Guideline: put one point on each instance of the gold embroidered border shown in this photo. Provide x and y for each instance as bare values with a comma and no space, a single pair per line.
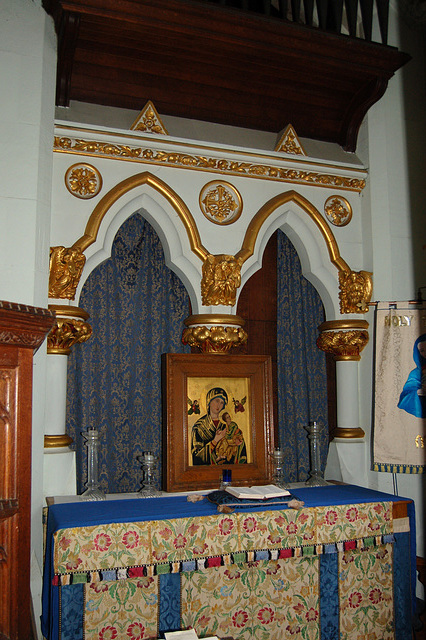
95,148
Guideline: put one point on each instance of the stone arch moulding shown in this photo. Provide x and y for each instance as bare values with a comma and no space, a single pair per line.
159,204
309,240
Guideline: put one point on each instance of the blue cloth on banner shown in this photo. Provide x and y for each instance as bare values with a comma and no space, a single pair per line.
169,602
67,515
329,596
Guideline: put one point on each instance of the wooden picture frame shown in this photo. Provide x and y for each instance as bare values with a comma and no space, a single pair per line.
190,383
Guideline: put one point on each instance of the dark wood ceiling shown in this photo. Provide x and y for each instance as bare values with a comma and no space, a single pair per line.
213,63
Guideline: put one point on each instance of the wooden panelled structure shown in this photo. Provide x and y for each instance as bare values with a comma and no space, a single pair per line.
247,63
257,304
22,331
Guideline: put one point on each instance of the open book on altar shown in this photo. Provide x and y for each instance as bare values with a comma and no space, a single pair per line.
258,492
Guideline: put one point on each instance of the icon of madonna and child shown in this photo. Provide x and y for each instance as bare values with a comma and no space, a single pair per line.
216,436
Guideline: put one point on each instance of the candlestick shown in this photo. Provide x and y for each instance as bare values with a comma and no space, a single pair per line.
148,461
278,472
315,475
92,442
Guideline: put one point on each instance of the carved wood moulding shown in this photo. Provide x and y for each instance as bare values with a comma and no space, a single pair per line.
209,62
24,326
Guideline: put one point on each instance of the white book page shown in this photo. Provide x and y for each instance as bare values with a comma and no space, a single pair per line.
186,634
258,493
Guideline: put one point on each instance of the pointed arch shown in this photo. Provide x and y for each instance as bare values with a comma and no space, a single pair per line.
269,207
101,209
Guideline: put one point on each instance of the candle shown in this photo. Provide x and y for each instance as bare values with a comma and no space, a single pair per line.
278,455
226,475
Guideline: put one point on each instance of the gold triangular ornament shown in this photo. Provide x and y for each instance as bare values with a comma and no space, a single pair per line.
290,143
149,121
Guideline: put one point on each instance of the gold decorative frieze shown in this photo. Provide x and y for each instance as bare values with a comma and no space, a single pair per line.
149,121
356,288
71,327
220,202
205,163
83,181
290,143
343,339
66,265
219,334
338,211
221,277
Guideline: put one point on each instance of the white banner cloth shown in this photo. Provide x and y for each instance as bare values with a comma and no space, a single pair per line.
399,401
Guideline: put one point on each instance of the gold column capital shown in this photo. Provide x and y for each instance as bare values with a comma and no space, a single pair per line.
344,339
71,327
212,333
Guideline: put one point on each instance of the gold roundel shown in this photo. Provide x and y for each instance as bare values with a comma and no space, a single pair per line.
220,202
83,180
338,211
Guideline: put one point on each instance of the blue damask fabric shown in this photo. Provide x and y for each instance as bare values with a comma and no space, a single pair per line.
302,377
72,608
169,602
137,307
403,586
329,594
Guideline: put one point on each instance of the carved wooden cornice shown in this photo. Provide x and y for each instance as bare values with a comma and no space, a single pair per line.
24,326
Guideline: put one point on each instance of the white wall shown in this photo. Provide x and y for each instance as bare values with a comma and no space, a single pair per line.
391,145
27,81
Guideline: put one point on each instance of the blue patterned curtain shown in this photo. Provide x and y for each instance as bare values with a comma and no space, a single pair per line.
301,367
137,307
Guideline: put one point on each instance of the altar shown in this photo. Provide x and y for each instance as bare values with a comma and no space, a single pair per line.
342,567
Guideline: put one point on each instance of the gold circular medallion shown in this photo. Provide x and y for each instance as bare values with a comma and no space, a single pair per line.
221,202
83,180
338,211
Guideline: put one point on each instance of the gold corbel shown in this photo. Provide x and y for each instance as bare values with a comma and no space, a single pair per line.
66,265
221,277
356,288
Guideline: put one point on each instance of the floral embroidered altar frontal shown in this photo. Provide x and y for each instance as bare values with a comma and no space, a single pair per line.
325,572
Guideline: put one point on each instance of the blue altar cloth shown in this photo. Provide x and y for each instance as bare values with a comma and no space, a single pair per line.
79,514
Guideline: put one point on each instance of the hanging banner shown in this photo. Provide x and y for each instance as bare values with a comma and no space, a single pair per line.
399,403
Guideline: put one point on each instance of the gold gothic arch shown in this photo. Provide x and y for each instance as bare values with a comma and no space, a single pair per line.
269,207
99,212
247,249
66,264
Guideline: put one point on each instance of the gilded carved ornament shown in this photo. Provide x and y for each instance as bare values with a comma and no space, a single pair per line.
220,202
338,211
83,180
356,288
66,265
214,333
221,277
67,144
290,143
67,333
149,121
215,339
343,345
